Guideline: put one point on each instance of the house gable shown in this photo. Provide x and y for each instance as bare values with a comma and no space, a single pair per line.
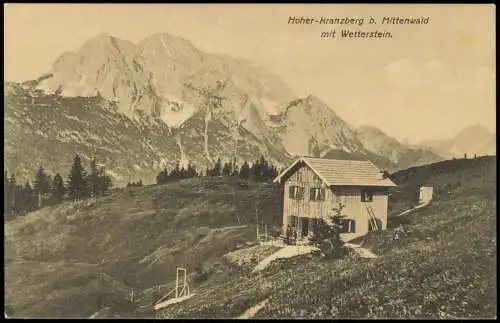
294,170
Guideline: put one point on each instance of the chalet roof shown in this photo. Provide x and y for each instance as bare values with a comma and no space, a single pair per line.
336,172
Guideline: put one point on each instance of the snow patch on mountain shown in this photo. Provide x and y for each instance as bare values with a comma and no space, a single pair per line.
269,106
174,111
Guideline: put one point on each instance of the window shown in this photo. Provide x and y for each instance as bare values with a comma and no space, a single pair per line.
296,192
347,226
317,194
366,196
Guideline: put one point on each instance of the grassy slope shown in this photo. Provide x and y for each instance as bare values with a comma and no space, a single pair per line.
55,258
443,268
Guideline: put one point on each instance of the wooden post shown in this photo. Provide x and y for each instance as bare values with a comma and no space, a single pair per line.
257,221
185,283
177,283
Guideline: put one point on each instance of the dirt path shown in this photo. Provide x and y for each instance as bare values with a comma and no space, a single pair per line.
413,209
253,310
172,301
364,253
286,252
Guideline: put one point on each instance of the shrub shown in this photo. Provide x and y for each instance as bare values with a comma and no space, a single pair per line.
327,235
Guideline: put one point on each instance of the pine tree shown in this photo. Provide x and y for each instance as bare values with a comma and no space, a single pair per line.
29,198
76,182
227,169
182,173
175,173
105,183
245,171
13,191
327,234
57,190
162,177
191,171
7,206
217,171
93,179
236,171
41,185
255,171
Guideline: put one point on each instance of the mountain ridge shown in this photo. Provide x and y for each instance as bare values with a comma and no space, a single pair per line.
475,139
162,101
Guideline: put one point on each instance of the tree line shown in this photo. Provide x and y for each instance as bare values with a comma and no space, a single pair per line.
259,171
47,190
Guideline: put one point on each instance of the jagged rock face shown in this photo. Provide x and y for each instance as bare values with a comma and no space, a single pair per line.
378,142
105,66
130,105
151,76
48,130
309,120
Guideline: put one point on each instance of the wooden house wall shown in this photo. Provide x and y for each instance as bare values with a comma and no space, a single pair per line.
354,209
357,210
305,177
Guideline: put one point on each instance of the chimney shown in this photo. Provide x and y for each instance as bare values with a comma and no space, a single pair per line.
383,174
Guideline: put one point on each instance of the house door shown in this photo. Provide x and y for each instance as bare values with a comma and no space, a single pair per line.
305,227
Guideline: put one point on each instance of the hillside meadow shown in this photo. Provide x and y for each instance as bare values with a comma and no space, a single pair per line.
67,262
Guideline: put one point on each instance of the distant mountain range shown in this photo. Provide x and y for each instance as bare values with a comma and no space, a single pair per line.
141,107
475,139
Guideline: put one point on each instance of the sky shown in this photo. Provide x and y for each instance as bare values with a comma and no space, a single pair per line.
427,82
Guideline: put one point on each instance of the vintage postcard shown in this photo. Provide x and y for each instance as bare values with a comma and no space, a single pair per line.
252,161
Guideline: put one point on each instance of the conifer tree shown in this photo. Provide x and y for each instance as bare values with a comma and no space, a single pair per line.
93,179
182,173
76,182
105,183
41,184
29,198
245,171
7,206
217,171
13,191
58,190
236,170
226,169
192,171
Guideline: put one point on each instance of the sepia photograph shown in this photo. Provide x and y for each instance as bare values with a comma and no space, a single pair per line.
250,161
